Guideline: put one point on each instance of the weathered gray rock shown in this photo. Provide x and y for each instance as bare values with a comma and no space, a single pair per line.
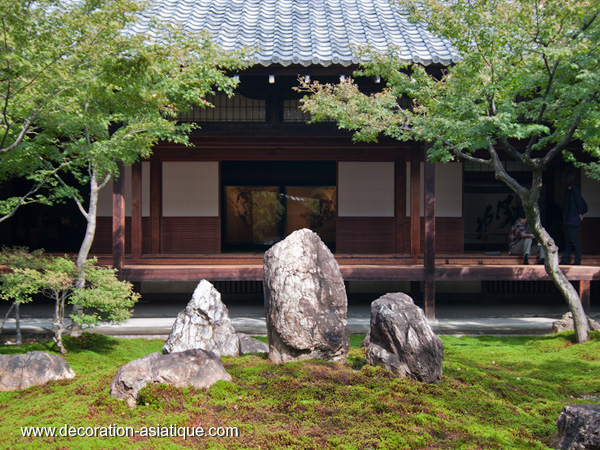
198,368
305,301
365,342
578,427
205,324
402,341
566,323
32,369
251,346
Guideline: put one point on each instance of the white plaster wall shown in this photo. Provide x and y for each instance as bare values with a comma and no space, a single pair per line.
448,190
190,189
590,191
366,189
105,195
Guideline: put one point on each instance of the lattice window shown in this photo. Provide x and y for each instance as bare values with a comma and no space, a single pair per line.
235,109
293,113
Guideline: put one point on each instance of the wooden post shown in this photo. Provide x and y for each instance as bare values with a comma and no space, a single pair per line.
584,295
400,195
118,224
136,210
415,207
155,203
429,293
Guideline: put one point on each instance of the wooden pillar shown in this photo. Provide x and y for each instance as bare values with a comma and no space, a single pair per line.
415,207
155,203
400,197
118,223
136,210
429,293
584,295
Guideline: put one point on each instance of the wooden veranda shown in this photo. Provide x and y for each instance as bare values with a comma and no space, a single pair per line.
468,267
419,265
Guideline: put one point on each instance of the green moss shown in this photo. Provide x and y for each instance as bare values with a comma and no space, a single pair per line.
495,393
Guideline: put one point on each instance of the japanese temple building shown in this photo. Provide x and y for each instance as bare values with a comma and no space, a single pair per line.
257,171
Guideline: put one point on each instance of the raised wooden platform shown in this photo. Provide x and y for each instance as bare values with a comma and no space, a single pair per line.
355,272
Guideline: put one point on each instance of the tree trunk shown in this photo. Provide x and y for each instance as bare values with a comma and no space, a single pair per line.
580,322
6,316
86,246
59,312
529,198
18,323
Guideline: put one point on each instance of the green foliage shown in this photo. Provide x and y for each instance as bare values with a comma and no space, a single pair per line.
525,85
528,70
81,92
103,297
19,285
496,393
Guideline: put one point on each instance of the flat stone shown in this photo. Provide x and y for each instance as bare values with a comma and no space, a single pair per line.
32,369
198,368
566,323
251,346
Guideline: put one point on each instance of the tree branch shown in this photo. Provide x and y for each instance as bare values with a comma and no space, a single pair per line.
587,24
501,173
22,200
511,150
569,136
74,197
461,154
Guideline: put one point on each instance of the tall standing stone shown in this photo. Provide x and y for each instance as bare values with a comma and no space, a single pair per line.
402,341
305,301
204,324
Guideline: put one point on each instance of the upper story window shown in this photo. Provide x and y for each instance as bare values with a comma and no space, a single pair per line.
293,113
235,109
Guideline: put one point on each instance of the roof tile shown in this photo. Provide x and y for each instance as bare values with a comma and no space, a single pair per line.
305,32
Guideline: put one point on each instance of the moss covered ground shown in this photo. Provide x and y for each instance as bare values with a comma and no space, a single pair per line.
496,393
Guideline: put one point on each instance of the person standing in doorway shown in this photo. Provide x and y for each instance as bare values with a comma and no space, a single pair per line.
573,211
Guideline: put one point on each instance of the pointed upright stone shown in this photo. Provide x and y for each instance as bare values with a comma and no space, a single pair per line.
204,324
402,341
305,301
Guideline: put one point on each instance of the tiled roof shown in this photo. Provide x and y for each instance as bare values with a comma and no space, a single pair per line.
305,32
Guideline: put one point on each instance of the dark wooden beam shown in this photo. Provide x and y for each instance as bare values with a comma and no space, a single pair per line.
584,295
261,149
136,210
415,207
429,259
254,272
118,224
155,203
400,196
